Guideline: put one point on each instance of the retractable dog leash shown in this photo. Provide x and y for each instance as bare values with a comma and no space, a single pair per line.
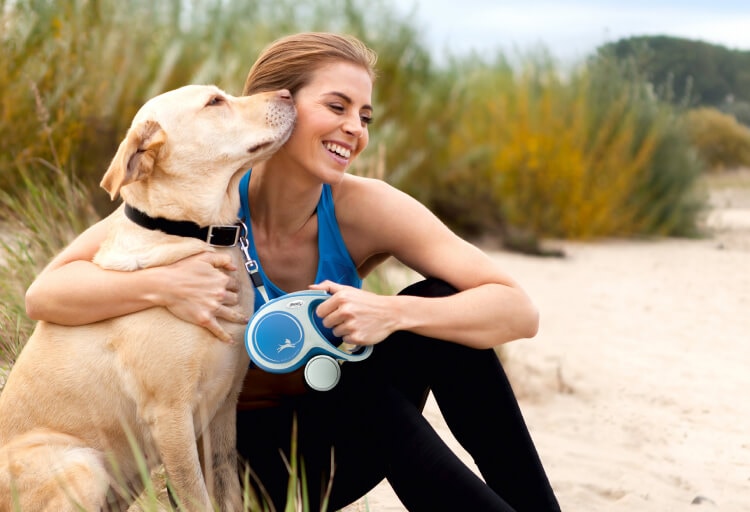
286,333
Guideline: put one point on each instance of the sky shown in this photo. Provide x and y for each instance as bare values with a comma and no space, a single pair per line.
571,30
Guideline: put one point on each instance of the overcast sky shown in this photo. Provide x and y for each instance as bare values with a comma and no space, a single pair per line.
572,29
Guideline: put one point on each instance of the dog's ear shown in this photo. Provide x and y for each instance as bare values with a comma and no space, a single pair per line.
135,158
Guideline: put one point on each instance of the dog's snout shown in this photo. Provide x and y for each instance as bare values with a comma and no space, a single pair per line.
281,112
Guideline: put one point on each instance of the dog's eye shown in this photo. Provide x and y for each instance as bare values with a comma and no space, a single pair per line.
214,101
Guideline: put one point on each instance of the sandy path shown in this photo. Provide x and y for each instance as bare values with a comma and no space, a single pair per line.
635,389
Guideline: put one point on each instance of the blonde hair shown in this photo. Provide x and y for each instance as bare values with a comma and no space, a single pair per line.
289,62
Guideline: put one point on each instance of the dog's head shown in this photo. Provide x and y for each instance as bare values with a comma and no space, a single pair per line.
186,149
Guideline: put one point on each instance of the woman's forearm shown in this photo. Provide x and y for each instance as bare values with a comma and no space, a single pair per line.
481,317
200,289
80,293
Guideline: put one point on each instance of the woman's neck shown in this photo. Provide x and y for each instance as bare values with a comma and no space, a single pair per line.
281,200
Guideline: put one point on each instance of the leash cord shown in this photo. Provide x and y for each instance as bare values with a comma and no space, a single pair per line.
251,266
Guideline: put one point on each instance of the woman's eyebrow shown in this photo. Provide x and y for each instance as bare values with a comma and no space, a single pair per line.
347,99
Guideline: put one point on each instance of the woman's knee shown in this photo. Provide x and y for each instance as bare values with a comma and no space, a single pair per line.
429,287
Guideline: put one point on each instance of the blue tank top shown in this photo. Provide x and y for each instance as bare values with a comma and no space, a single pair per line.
334,261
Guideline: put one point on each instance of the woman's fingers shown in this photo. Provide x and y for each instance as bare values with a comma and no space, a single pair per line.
221,261
231,315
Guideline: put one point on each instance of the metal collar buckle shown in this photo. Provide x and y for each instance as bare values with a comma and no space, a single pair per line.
223,236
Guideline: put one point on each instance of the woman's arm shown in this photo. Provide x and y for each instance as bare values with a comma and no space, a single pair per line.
490,308
72,290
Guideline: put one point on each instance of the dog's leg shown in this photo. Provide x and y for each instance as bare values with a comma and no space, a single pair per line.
221,461
173,432
45,471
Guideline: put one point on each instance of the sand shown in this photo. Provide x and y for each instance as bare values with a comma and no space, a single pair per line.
636,387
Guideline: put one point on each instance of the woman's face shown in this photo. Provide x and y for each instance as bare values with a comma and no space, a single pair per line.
333,112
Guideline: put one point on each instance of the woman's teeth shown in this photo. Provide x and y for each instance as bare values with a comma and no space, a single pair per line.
335,148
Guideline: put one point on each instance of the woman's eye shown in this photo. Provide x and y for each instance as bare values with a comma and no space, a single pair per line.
365,119
216,100
336,107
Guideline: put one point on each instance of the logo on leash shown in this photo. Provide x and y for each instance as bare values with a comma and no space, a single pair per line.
279,337
287,344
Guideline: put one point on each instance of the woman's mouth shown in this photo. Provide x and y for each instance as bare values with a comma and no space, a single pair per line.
338,150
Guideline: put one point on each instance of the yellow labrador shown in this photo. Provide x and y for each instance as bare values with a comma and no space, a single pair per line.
80,401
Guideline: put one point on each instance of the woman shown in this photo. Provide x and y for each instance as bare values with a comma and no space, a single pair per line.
315,226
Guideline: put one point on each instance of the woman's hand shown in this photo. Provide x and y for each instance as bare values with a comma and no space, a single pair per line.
357,316
201,289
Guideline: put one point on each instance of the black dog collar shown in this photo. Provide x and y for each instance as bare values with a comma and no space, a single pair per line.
216,235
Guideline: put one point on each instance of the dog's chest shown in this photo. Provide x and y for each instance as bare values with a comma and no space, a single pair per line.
220,364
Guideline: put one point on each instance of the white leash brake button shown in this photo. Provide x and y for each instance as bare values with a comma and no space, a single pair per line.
322,373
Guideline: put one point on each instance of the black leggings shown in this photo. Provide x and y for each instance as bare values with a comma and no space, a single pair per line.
372,420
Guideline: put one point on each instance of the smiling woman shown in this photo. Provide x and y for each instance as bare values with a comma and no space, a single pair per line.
311,222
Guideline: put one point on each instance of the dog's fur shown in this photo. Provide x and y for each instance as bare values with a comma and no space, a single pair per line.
81,400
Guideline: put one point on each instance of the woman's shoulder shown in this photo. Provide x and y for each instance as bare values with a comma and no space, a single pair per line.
376,209
365,210
359,192
352,183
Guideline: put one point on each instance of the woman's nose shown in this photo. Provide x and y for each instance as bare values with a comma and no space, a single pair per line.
353,126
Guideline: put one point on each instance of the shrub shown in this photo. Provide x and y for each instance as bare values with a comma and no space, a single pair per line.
721,141
524,149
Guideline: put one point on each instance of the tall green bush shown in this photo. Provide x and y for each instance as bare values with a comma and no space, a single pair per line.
525,148
77,70
664,199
